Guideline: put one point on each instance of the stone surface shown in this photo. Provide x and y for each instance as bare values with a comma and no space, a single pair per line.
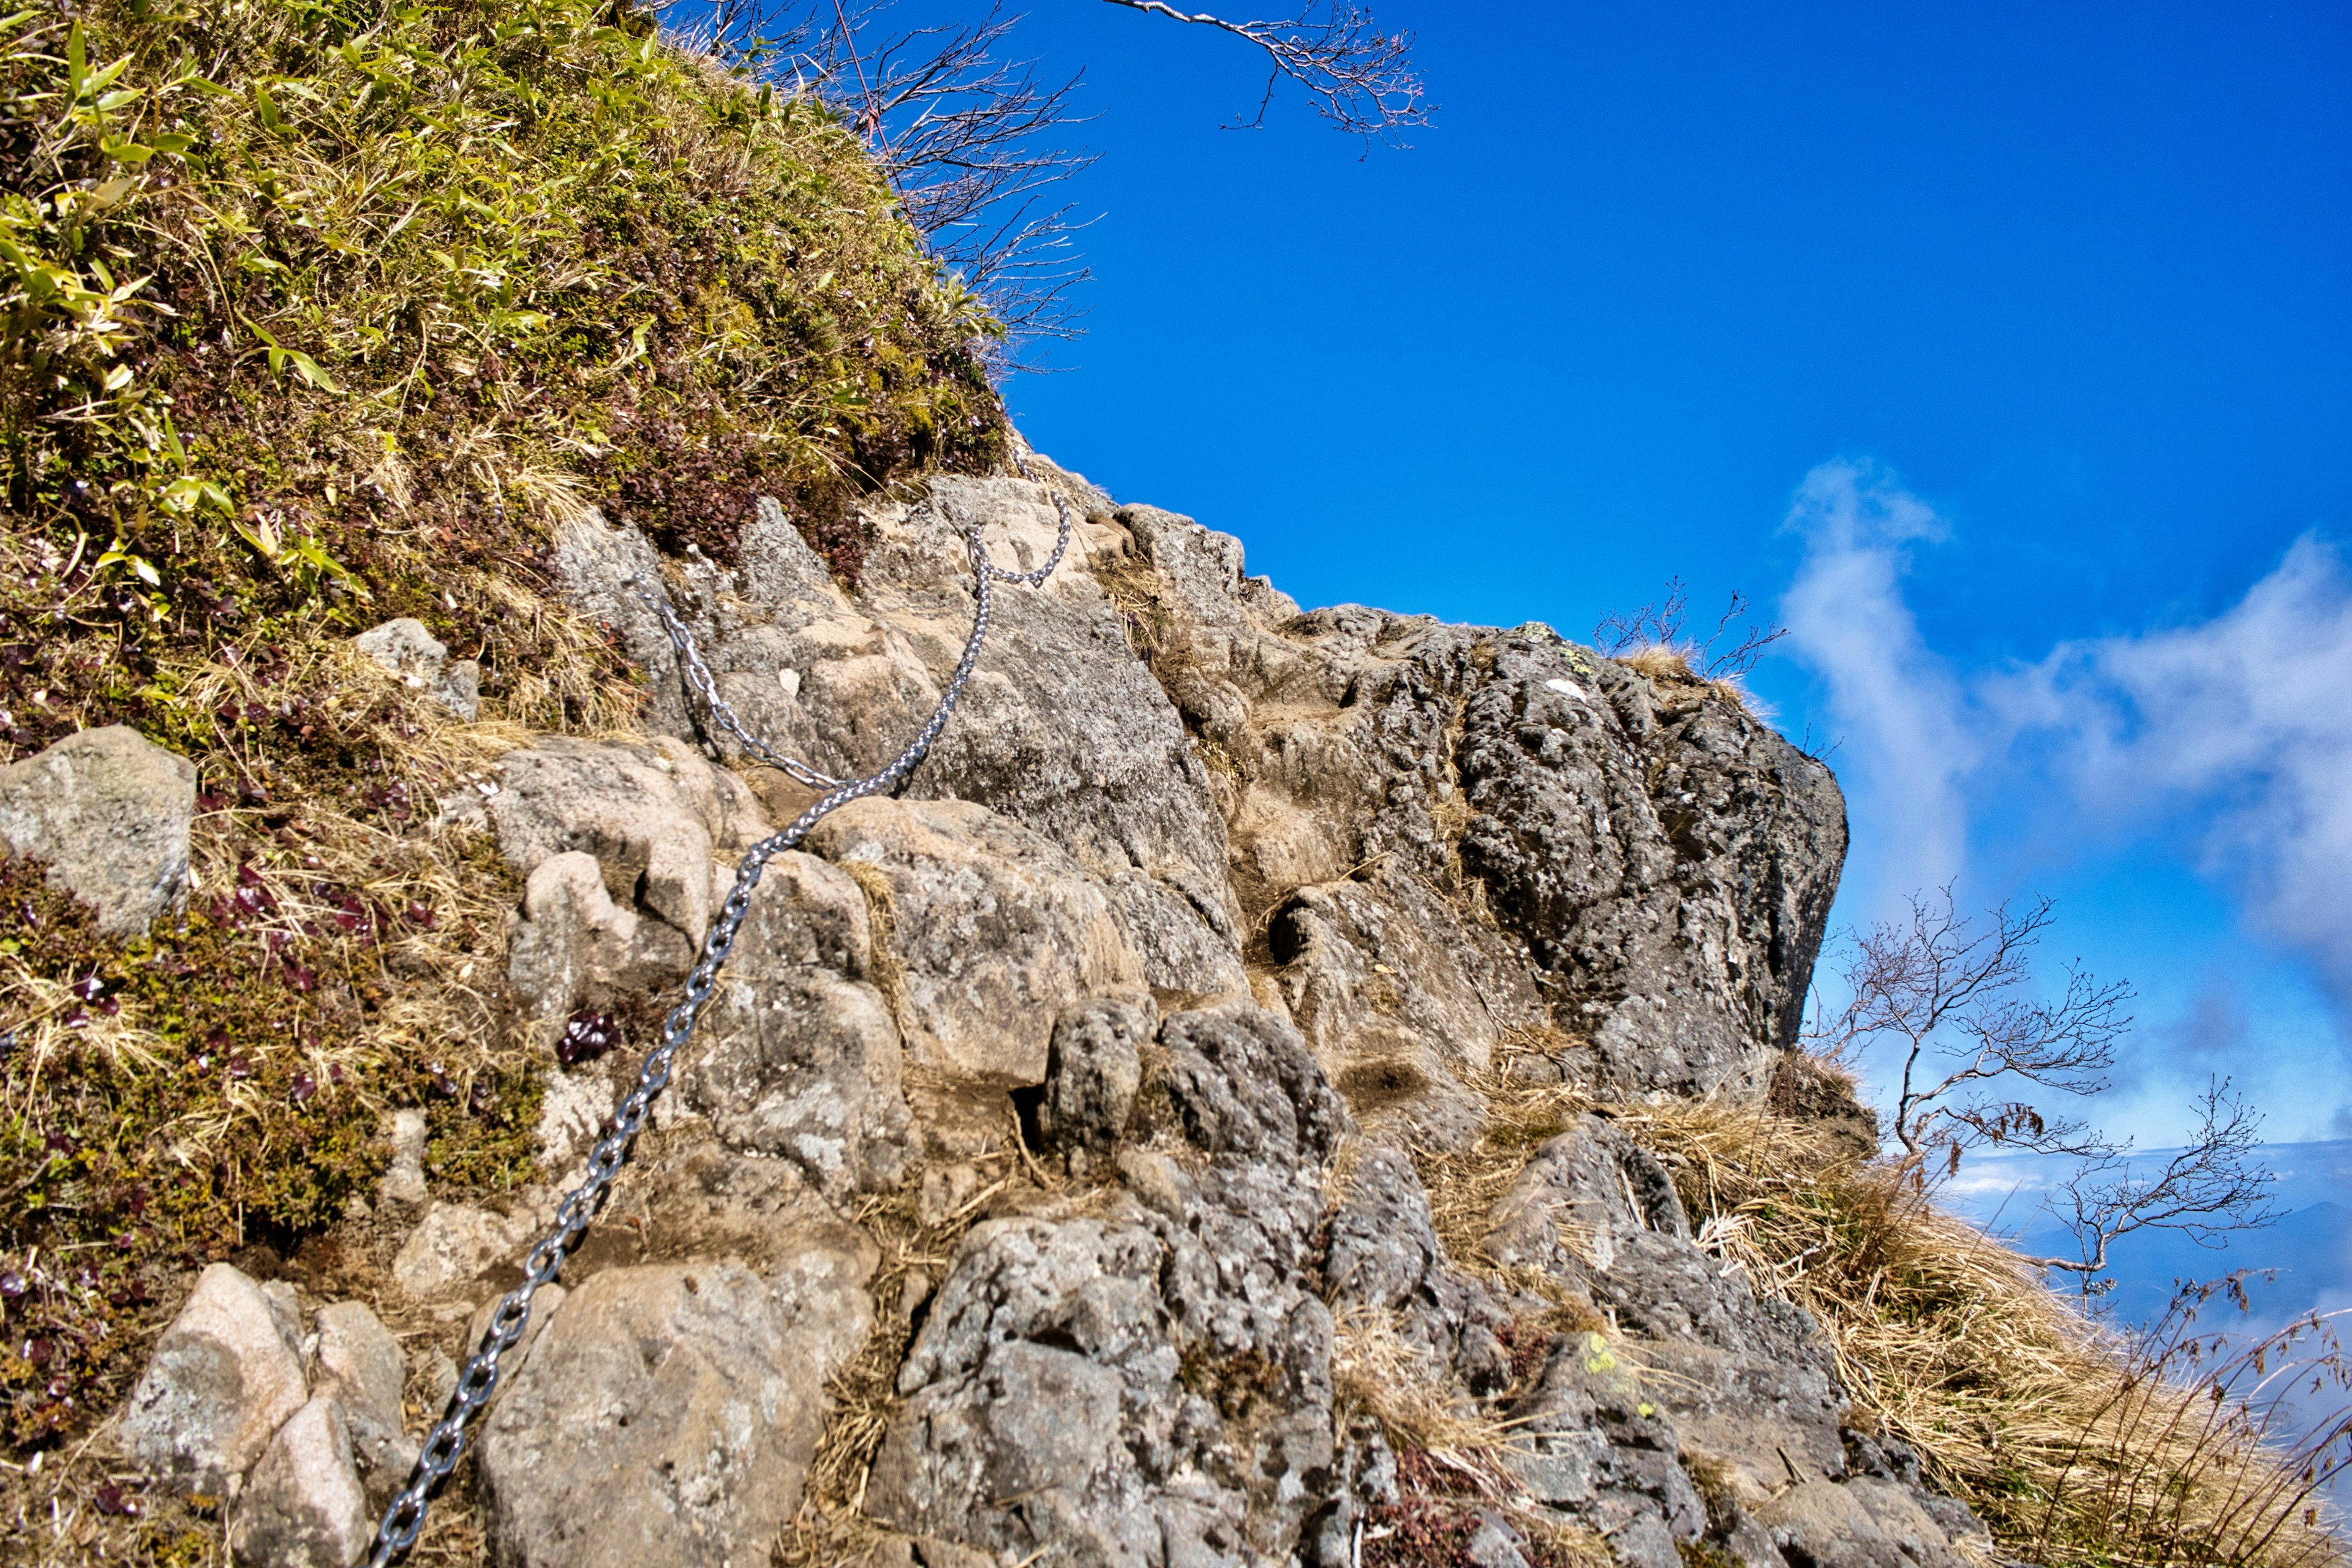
404,1174
304,1508
1385,1257
668,1413
221,1380
1400,995
990,929
451,1246
1150,1383
575,946
1094,1065
359,1365
408,651
1061,728
799,1053
109,812
650,816
1671,859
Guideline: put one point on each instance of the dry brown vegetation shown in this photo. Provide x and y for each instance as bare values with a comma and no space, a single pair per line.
2077,1443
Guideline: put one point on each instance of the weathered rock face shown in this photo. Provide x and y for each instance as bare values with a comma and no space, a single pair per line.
109,811
1206,921
303,1508
667,1413
1152,1384
221,1381
992,927
1670,859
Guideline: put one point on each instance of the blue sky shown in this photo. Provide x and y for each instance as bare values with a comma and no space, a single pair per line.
2003,352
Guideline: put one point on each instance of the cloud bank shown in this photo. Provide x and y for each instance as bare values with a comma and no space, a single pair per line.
1899,713
2236,730
2242,723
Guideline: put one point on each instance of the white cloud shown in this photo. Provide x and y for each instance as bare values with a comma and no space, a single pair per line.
2243,724
1895,706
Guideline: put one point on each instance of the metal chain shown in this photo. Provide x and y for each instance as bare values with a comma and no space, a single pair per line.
445,1444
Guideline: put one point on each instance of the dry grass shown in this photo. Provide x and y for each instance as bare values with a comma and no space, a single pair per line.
2078,1444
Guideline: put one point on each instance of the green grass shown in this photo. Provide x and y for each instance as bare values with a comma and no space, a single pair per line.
312,315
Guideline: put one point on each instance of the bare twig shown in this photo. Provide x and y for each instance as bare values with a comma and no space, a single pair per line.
1659,625
2203,1191
1360,79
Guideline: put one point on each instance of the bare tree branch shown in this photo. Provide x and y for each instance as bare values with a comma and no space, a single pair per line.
1957,1001
2203,1191
1659,625
1361,79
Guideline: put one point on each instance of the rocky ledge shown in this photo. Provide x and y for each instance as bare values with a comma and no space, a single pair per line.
1054,1160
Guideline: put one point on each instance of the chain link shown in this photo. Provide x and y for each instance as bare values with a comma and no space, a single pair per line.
445,1444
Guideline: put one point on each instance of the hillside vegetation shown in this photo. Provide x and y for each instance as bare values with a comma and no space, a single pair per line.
315,315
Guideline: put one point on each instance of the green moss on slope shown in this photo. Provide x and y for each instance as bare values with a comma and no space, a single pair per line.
313,314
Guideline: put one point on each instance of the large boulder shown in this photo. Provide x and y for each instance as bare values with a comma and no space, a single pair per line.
668,1412
222,1380
304,1507
1669,858
990,929
109,811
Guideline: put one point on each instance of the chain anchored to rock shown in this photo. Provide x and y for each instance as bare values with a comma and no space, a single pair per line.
447,1442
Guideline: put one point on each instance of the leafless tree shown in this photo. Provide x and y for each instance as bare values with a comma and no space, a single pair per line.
1361,79
2212,1186
1660,623
1955,998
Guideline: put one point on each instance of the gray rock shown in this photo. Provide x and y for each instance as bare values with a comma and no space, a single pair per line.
109,812
1093,1066
1495,1545
360,1366
1829,1526
304,1508
991,930
1061,727
1385,1257
575,945
451,1246
668,1414
1242,1082
1399,994
418,659
404,1174
1669,858
799,1054
1598,1448
222,1379
1150,1382
650,816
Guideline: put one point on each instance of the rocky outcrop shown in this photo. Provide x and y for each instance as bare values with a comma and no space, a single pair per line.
1073,1104
668,1412
1151,1382
109,811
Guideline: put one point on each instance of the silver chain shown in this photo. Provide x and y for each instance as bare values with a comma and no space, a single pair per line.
447,1442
